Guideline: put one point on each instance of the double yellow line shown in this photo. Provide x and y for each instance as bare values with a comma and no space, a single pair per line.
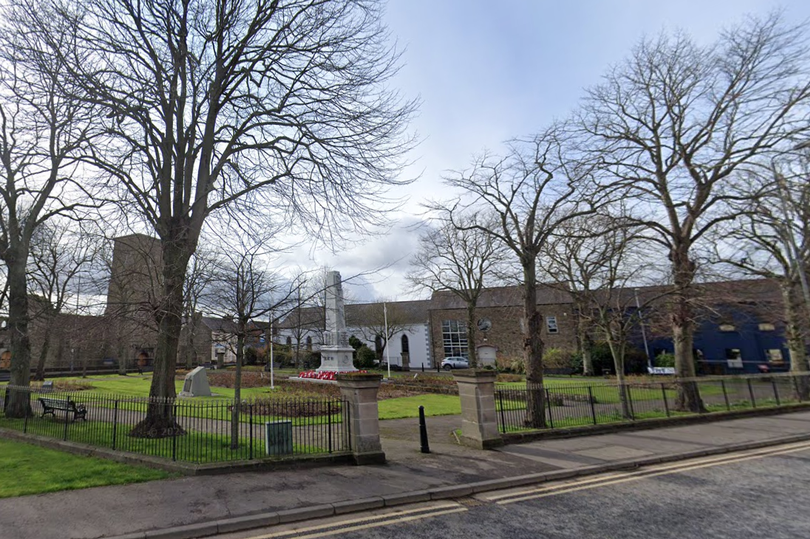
436,509
357,524
654,471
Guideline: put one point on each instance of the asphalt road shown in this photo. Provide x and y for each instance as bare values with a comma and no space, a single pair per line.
763,494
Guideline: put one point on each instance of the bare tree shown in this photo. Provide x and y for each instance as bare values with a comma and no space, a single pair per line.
378,322
531,192
617,307
575,258
249,105
675,122
771,239
58,259
41,132
462,261
243,292
199,278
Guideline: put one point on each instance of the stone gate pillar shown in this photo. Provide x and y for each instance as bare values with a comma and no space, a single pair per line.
479,419
359,390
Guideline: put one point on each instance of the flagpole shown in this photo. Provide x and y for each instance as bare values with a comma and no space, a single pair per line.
387,348
272,384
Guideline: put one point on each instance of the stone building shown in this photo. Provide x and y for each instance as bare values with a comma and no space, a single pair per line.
500,310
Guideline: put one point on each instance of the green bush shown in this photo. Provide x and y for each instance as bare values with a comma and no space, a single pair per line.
312,360
635,360
517,366
557,358
252,356
365,357
356,343
665,359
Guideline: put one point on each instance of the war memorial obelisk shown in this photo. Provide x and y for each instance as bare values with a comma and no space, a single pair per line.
336,354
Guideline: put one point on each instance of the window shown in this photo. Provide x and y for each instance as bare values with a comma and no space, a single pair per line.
727,328
551,324
405,345
309,343
766,327
454,338
289,341
734,358
774,356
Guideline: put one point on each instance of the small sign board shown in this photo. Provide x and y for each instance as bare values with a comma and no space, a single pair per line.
278,437
661,370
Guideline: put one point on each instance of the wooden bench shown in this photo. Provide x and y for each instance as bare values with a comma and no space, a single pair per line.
49,406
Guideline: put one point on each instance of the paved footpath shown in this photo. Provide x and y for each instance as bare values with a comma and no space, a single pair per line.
207,504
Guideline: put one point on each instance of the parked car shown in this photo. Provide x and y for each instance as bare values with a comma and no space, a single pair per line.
450,363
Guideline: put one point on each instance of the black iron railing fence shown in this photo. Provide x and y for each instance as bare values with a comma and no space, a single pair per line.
203,428
602,403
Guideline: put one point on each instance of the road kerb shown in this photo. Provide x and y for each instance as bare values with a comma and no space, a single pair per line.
355,506
305,513
447,492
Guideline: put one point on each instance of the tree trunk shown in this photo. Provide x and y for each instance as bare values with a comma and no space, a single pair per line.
159,421
237,389
120,350
533,350
190,342
18,401
472,353
617,351
795,340
43,352
688,399
583,339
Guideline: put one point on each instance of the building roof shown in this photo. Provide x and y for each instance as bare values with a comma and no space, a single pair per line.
502,296
360,314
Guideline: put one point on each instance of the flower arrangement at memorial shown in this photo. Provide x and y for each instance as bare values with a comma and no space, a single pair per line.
323,375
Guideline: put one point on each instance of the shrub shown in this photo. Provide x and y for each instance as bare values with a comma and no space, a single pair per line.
503,364
252,356
365,357
517,366
312,360
635,360
665,359
557,359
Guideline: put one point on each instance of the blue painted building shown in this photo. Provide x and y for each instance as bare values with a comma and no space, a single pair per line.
740,329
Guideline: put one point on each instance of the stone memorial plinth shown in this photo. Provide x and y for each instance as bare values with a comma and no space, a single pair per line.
196,384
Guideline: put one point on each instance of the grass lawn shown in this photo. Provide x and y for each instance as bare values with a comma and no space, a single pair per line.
47,470
194,446
409,406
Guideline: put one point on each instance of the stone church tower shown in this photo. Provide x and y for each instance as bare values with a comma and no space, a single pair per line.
132,299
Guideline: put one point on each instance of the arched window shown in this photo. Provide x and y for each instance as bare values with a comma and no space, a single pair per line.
289,341
405,349
378,345
309,343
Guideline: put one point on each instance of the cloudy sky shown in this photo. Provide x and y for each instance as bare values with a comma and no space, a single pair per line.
487,71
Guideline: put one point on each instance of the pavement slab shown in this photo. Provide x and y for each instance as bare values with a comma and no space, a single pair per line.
409,475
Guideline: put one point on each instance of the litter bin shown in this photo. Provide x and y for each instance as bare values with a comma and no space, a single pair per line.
278,437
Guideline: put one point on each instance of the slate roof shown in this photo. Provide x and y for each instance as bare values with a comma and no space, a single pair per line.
360,314
502,296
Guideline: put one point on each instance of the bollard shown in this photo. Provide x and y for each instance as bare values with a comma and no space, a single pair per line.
423,437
